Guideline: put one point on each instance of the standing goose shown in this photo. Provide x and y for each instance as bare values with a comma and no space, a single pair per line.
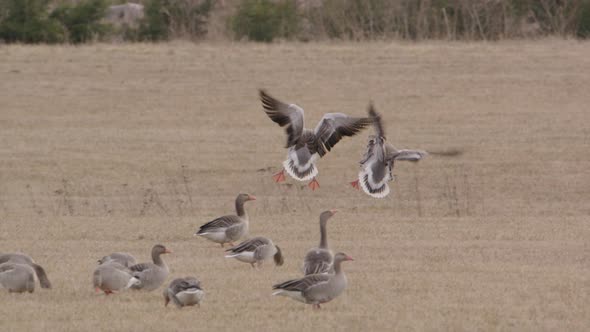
377,164
255,251
112,276
230,228
184,292
24,259
17,278
320,259
151,275
305,146
122,258
316,289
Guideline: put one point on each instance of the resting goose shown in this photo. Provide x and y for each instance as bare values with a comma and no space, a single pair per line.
122,258
255,251
305,146
21,258
151,275
230,228
112,276
17,278
184,292
320,259
378,162
316,289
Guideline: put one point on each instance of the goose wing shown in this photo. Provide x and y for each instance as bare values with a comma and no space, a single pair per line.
286,115
333,127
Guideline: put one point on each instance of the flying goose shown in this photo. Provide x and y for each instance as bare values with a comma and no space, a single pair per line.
378,161
122,258
320,259
17,278
151,275
230,228
25,259
255,251
316,289
184,292
112,276
305,146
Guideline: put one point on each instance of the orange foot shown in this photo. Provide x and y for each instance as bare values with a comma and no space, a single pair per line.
314,184
355,184
279,177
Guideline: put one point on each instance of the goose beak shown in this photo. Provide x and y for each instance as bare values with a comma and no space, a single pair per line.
251,198
333,211
348,258
168,251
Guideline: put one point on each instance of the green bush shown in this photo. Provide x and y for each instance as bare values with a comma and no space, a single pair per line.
82,21
583,29
263,20
27,21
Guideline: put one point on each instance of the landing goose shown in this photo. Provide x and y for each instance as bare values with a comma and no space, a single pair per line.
316,289
151,275
320,259
255,251
378,161
184,292
25,259
112,276
230,228
122,258
17,278
305,146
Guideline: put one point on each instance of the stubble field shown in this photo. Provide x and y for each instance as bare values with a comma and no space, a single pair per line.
118,147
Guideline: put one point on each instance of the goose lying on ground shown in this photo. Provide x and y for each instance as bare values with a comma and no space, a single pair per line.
112,276
320,259
378,162
151,275
122,258
316,289
305,146
17,278
255,251
230,228
184,292
25,259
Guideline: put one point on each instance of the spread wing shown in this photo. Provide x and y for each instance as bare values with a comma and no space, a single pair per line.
286,115
302,284
221,222
249,245
333,127
409,155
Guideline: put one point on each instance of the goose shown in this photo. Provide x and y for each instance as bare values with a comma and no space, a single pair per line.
122,258
17,278
316,289
230,228
378,161
305,146
320,259
112,276
184,292
25,259
255,251
151,275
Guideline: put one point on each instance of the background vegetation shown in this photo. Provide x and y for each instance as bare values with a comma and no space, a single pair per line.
36,21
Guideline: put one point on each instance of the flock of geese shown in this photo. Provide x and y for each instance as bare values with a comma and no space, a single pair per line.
323,278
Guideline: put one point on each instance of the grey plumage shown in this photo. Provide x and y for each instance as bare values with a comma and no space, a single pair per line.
25,259
320,259
184,292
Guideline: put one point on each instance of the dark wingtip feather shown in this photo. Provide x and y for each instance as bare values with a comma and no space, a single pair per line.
376,118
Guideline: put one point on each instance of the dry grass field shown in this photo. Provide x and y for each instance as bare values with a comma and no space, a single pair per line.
119,147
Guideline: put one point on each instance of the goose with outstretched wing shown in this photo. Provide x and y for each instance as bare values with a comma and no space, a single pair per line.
378,161
306,146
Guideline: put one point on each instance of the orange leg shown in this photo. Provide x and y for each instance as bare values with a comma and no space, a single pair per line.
314,184
279,177
355,184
